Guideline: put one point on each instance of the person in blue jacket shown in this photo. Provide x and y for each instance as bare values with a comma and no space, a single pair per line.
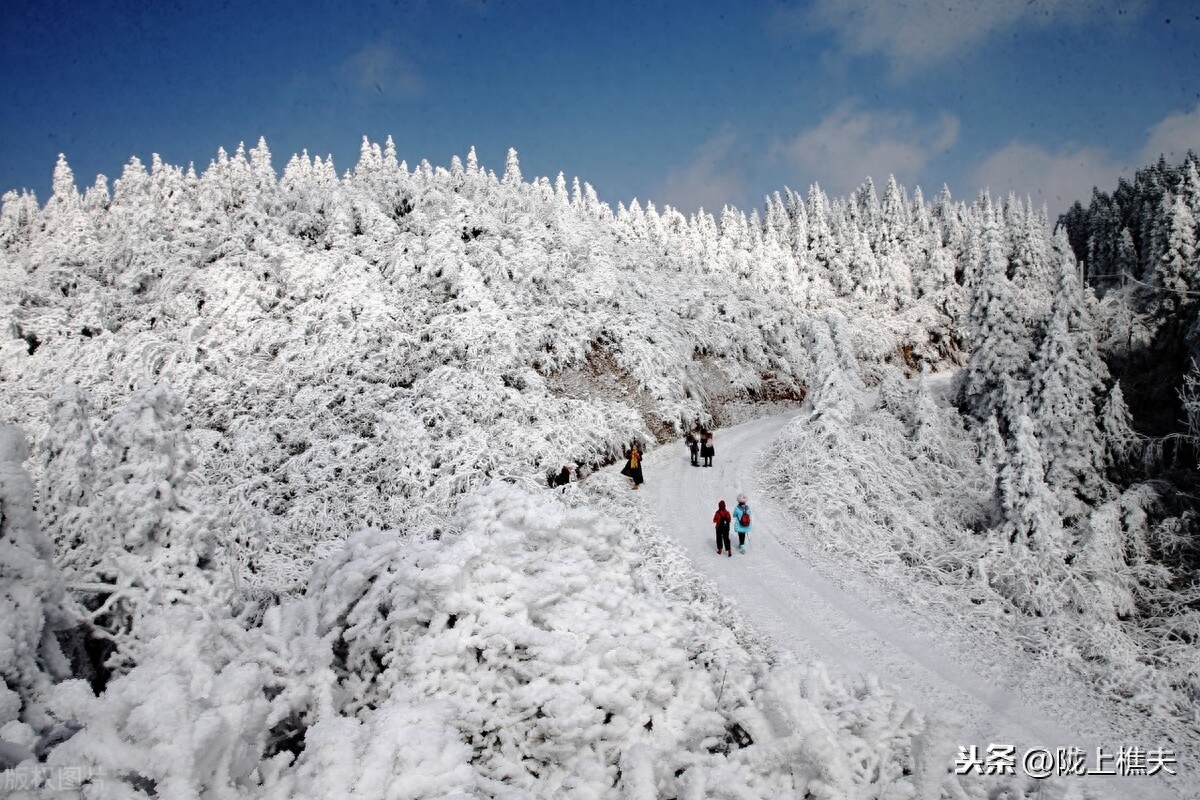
741,521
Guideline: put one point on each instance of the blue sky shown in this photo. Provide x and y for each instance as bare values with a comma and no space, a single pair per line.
691,104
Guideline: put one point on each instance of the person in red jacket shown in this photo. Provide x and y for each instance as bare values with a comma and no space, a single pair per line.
722,519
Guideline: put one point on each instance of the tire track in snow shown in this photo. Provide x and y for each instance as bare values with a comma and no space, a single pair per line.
975,695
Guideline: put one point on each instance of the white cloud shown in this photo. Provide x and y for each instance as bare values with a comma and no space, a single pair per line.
914,33
852,144
1173,137
1062,176
710,180
377,68
1055,178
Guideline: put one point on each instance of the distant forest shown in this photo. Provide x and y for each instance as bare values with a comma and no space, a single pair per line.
1138,249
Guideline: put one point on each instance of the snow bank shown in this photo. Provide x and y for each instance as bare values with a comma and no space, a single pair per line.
895,483
518,655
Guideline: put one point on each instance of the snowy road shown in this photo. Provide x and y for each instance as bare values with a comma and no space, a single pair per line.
981,690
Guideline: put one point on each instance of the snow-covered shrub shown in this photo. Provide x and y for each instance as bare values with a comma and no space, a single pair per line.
134,535
881,486
527,624
1189,396
1116,557
520,654
188,721
69,468
901,489
34,609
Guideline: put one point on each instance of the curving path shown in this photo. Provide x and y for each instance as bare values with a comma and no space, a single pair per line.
973,689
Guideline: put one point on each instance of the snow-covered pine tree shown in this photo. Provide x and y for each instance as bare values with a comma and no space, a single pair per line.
975,219
69,254
895,220
1068,382
864,208
836,384
1116,427
895,243
820,242
263,178
19,216
1126,265
97,197
774,255
561,196
996,377
172,199
775,218
1177,271
133,187
64,210
391,163
864,267
229,182
796,209
931,425
369,169
512,169
1032,572
1034,261
845,240
1189,187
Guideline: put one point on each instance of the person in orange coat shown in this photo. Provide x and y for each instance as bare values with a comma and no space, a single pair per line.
633,467
722,519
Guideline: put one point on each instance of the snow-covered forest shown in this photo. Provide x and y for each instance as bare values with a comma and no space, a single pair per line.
273,511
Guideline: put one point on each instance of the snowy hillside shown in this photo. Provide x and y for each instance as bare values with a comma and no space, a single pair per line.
276,454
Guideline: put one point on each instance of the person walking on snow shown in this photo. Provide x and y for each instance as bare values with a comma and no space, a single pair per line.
741,521
707,451
633,467
693,446
722,519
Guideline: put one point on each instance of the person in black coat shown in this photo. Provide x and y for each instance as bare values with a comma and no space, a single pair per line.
693,445
707,451
564,476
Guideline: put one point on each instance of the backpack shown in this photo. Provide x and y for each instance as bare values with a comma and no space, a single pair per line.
744,519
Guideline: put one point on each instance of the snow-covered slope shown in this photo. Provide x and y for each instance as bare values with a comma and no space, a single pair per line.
971,680
290,435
